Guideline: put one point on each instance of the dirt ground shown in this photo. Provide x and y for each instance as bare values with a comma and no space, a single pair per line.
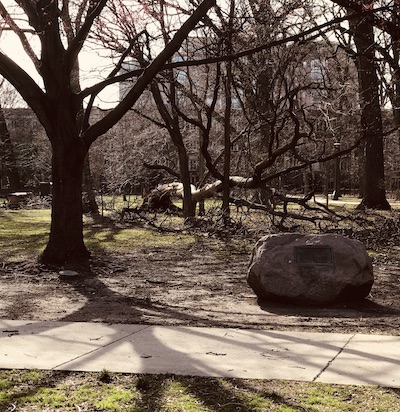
193,287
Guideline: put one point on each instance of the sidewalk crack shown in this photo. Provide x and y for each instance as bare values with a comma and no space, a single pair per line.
333,359
101,347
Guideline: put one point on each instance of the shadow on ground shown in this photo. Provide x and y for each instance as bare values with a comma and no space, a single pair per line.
356,309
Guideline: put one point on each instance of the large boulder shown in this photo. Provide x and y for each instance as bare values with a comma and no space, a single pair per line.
310,269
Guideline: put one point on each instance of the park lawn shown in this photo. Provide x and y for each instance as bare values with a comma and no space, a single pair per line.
114,239
24,234
33,390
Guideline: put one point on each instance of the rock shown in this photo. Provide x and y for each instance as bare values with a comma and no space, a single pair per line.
68,273
310,269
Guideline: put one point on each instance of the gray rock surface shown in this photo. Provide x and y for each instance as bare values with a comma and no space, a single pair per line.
310,269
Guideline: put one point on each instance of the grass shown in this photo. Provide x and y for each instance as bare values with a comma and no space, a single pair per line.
78,391
64,395
131,239
24,234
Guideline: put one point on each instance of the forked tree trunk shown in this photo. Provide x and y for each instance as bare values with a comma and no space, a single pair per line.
66,246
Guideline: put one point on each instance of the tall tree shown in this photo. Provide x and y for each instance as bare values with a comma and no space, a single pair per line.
371,116
365,16
59,106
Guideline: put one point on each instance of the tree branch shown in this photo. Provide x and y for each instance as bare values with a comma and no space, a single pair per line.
26,86
298,38
94,10
21,35
169,170
148,75
360,9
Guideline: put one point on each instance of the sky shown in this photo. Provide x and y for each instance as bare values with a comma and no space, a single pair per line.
93,67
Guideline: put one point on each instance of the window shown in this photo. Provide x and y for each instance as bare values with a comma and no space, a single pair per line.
235,147
317,70
192,144
193,164
181,74
193,179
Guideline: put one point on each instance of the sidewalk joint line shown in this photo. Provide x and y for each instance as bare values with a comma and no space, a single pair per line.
333,359
101,347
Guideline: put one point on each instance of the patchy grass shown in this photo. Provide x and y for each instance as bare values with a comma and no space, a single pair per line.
117,202
130,239
23,233
64,393
72,391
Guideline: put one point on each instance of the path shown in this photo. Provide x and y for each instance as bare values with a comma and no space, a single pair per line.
305,356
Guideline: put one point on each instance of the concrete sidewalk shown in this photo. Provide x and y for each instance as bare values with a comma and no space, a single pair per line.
318,357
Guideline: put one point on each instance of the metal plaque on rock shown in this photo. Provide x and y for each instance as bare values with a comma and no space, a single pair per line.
314,255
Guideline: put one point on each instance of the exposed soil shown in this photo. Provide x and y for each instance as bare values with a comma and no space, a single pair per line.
195,287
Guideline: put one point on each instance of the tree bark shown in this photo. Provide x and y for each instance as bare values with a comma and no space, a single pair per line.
371,116
66,246
262,104
189,210
361,170
226,188
396,76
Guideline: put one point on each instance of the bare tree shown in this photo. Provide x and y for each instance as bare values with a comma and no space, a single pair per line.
371,117
363,18
279,132
59,106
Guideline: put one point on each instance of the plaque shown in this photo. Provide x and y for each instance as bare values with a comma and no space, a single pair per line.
313,255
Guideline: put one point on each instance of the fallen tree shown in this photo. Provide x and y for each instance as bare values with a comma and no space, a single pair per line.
161,198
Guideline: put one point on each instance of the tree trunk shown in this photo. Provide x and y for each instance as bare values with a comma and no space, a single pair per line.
189,209
202,208
262,101
371,116
396,85
7,160
65,246
361,170
89,201
172,122
226,189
